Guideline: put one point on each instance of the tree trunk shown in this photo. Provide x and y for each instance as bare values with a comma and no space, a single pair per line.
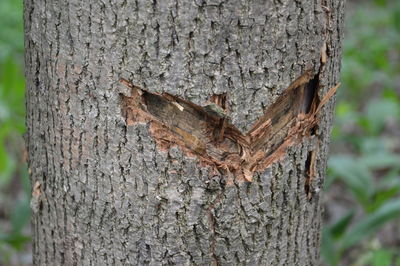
128,166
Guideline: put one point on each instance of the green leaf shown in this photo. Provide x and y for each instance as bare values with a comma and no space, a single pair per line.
378,112
380,160
7,162
338,228
382,257
355,175
25,180
15,240
396,19
371,223
380,2
381,196
12,92
328,250
20,216
372,146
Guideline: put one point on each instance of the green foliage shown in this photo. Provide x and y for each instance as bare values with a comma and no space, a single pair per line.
367,115
12,85
11,30
12,113
11,116
368,105
371,223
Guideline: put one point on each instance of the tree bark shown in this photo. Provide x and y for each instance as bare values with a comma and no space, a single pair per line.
108,189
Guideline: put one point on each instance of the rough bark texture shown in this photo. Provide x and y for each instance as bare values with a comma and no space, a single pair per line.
105,193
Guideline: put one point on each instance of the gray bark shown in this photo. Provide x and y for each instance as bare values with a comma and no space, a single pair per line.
103,191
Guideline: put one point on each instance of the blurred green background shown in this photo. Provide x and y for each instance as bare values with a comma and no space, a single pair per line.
362,197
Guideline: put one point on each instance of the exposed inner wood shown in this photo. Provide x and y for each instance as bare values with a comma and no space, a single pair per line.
210,136
309,172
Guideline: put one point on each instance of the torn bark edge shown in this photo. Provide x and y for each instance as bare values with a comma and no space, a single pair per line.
310,171
175,121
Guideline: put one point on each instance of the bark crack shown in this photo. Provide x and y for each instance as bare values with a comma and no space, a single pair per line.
205,132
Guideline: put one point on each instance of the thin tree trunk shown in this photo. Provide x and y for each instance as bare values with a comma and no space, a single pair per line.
135,171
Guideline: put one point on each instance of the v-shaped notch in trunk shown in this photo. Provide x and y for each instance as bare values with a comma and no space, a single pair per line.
208,134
